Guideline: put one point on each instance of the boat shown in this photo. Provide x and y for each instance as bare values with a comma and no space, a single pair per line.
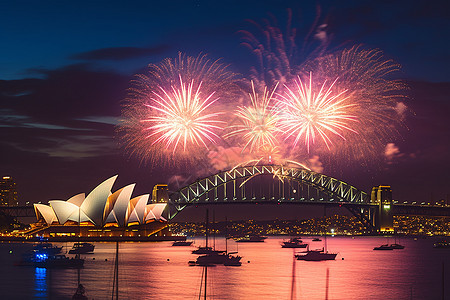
47,248
441,244
226,259
384,247
294,243
397,246
42,260
205,250
80,293
316,255
316,240
182,243
82,248
251,239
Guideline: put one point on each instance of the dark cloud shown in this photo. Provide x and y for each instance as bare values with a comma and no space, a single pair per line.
120,53
71,92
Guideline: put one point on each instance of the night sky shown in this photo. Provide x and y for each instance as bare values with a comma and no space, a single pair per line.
66,65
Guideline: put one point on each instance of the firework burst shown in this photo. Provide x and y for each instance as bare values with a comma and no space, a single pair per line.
180,117
258,122
367,76
309,113
172,112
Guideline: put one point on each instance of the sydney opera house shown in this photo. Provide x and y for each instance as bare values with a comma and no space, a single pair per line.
103,213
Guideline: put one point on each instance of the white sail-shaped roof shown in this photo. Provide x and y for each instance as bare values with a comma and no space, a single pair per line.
63,209
136,209
46,212
77,199
101,207
154,211
94,204
121,206
80,215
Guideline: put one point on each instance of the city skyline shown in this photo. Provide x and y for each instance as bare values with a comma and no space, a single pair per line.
66,69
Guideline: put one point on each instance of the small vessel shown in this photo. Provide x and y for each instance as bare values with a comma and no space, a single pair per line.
251,239
397,246
384,247
316,255
47,248
80,293
441,244
82,248
42,260
182,243
316,240
294,243
226,259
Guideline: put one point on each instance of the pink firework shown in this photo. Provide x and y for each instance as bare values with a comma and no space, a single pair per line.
172,112
178,117
258,122
310,113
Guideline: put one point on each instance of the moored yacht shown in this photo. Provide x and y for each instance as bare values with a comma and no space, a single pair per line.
384,247
294,243
397,246
82,248
182,243
251,239
42,260
316,255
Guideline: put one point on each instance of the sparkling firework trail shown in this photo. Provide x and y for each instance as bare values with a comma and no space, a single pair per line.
172,112
258,126
309,113
180,117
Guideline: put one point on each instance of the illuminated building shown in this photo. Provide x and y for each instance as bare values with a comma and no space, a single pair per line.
382,195
160,193
99,210
8,192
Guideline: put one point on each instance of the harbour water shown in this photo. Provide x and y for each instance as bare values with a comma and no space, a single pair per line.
159,271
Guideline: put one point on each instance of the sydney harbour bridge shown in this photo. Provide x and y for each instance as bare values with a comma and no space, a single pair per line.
283,185
286,185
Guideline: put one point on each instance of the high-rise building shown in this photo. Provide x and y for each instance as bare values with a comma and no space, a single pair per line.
160,193
8,192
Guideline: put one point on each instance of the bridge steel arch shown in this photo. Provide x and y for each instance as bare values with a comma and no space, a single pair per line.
339,192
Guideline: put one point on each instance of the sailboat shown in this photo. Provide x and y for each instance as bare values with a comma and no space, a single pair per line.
395,245
318,254
80,293
218,257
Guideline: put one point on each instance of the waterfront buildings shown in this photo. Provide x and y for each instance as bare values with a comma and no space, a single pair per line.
8,192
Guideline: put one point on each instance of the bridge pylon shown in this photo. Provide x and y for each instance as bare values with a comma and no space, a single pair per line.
382,195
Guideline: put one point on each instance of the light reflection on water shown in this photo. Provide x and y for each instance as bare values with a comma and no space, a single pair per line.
157,270
40,282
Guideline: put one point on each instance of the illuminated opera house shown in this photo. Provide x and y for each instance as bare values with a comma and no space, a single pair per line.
103,213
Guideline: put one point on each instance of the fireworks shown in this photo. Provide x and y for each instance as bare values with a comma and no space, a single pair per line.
258,126
366,75
176,111
309,113
179,117
172,114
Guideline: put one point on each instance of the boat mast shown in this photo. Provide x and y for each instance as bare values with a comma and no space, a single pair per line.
226,236
116,274
214,229
326,229
206,277
206,229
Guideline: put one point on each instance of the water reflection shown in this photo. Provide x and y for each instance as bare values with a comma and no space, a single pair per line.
40,282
